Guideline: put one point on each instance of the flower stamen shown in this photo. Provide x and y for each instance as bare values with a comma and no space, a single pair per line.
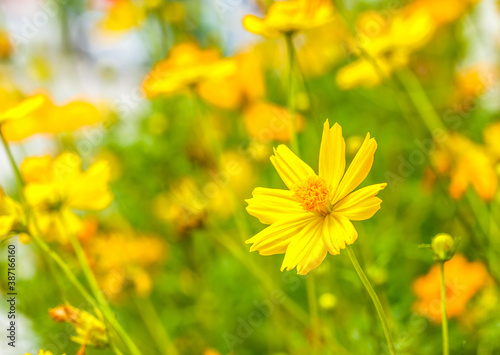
313,195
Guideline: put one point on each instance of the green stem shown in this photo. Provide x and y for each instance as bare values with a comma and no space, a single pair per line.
259,274
374,297
444,316
155,327
99,296
17,173
40,243
291,92
421,102
313,310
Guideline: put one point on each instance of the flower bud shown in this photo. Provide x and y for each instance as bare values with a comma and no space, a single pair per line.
443,246
89,329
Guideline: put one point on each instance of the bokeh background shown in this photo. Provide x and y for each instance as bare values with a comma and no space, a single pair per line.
184,105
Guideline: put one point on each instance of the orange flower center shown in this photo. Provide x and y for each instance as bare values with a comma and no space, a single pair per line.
312,194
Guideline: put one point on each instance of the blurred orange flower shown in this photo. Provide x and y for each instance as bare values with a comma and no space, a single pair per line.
247,84
463,280
5,45
286,17
265,122
468,164
470,84
186,65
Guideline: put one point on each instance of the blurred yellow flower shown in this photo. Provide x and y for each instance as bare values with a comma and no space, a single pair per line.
491,136
287,17
319,49
265,122
120,258
389,48
55,187
89,329
183,205
38,115
442,12
468,164
314,215
123,15
21,109
12,219
186,66
463,280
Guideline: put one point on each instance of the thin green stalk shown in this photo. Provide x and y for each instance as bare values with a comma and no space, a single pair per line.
155,327
444,316
96,290
291,92
421,102
17,173
108,314
374,297
313,310
260,274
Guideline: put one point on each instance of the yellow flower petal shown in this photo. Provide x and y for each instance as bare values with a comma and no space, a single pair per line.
257,26
306,250
275,238
289,166
358,170
361,204
271,205
332,154
337,232
91,191
24,108
6,224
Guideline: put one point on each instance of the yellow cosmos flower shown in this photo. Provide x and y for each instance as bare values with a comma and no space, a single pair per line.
12,219
286,17
313,217
186,65
39,115
55,187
